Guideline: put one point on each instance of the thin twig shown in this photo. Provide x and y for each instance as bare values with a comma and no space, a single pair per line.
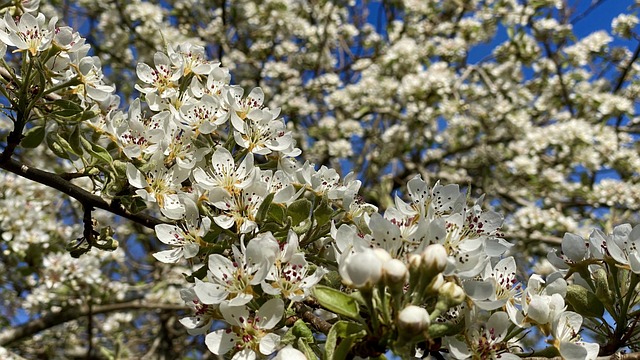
52,319
83,196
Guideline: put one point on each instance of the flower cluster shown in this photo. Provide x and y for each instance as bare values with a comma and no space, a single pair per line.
275,242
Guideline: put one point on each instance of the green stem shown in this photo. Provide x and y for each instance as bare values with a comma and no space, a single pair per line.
73,82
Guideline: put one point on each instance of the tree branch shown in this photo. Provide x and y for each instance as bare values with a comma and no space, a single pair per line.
616,356
85,197
307,315
52,319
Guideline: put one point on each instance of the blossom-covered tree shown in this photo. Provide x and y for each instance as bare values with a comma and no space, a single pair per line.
259,179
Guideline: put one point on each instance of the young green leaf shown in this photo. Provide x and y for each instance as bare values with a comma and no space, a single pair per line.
337,302
348,333
299,210
33,137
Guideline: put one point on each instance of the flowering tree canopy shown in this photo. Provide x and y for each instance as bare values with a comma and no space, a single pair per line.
318,179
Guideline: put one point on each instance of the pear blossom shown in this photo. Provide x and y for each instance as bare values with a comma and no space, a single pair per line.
162,80
190,58
574,251
185,237
30,34
483,341
239,209
266,134
137,136
624,246
248,334
289,276
567,339
498,287
89,72
224,174
241,109
202,116
204,314
233,281
160,185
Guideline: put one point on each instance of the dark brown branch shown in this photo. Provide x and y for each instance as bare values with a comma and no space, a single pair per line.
563,87
85,197
307,315
617,356
52,319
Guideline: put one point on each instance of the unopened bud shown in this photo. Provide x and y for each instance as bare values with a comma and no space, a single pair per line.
395,273
435,284
362,269
452,293
382,254
415,261
434,258
413,320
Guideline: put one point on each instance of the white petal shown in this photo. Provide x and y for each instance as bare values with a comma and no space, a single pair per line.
234,315
190,250
289,353
144,72
169,234
220,342
245,354
574,247
269,343
241,299
267,288
210,293
457,348
135,177
572,351
499,322
538,309
220,266
270,313
169,256
203,179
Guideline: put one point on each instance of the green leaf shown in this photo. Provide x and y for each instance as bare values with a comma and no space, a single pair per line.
74,141
264,207
96,150
276,213
302,331
56,147
33,137
66,108
299,210
584,302
348,332
55,137
306,349
299,330
323,212
337,302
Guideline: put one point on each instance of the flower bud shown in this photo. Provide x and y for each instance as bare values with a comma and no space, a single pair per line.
434,258
435,284
453,294
382,254
413,320
415,261
395,272
362,269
